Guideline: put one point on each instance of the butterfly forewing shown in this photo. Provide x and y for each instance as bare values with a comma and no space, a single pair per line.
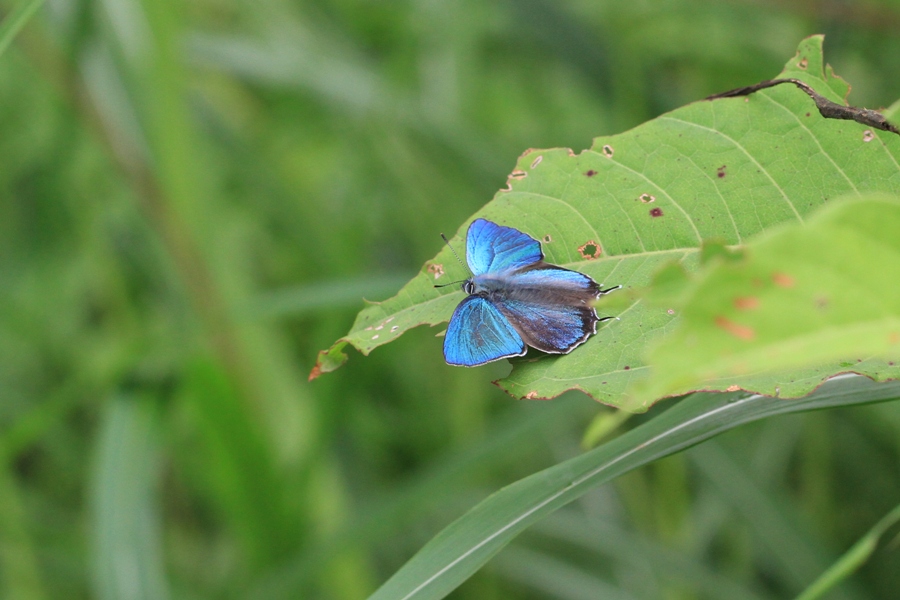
478,333
492,248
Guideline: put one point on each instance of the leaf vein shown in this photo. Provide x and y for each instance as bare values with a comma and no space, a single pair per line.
740,147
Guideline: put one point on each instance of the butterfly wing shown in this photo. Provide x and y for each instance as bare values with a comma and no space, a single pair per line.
478,333
492,248
550,307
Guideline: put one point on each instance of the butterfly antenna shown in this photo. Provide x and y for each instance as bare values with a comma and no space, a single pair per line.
458,259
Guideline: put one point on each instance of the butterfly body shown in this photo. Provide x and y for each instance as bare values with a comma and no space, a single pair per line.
516,300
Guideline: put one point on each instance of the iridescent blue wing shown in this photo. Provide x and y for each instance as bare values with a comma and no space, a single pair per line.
478,334
492,248
550,307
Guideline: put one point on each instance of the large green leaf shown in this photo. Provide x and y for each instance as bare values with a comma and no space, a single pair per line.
713,170
801,304
465,545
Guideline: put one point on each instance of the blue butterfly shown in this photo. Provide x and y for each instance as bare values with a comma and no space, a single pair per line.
517,300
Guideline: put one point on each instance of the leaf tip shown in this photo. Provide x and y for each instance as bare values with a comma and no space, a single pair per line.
329,360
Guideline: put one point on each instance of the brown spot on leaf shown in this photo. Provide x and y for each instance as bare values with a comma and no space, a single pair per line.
436,269
608,151
647,198
656,212
868,136
803,63
518,174
720,172
590,250
737,330
746,303
626,368
316,371
394,328
671,311
375,337
893,337
537,161
732,388
783,280
547,239
590,173
532,395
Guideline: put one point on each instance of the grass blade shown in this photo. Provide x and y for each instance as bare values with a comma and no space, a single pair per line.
127,540
16,21
464,546
854,558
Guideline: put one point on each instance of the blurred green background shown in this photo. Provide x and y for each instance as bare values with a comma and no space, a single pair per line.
194,198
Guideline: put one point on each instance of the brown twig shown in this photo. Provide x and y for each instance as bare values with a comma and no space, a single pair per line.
827,108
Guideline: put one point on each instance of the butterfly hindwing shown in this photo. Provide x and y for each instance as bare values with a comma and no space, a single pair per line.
478,333
492,248
550,307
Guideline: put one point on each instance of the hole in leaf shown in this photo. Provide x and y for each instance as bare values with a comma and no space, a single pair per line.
590,250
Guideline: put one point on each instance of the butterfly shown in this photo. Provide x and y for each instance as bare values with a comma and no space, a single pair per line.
516,300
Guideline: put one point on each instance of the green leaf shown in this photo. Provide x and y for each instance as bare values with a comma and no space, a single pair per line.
469,542
720,170
892,113
806,302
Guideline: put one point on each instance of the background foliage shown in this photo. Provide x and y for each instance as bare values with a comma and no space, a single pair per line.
193,198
